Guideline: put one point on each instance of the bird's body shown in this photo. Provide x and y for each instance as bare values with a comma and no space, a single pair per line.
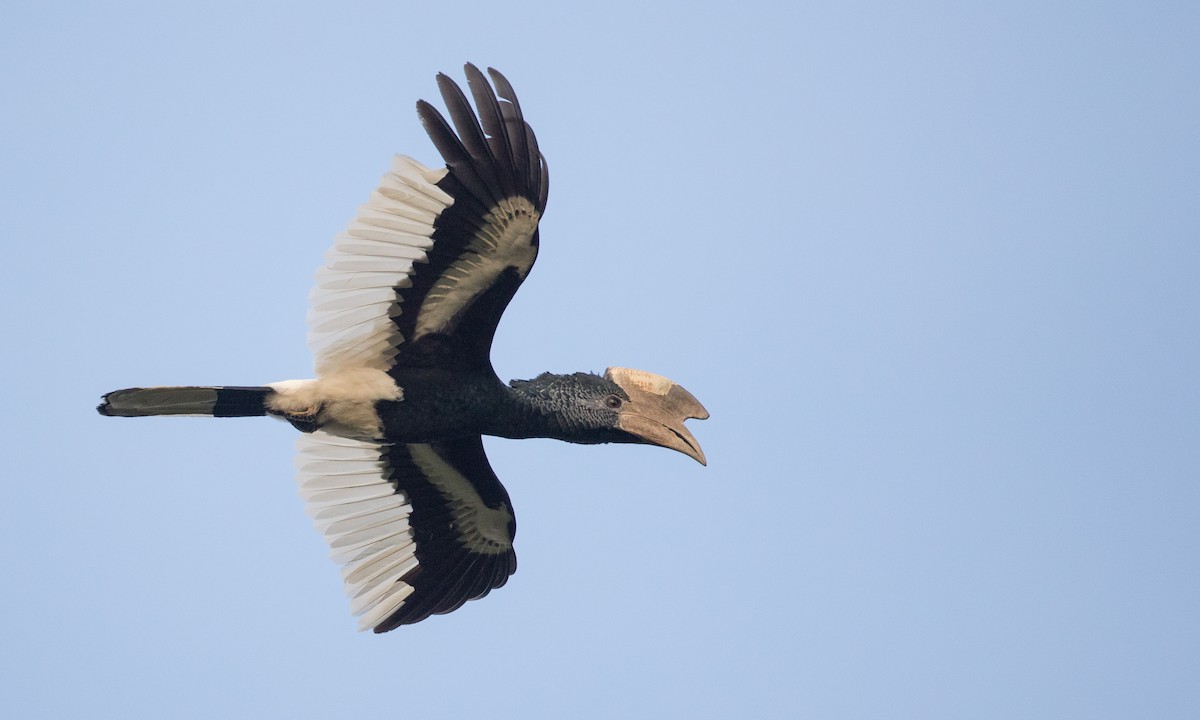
391,464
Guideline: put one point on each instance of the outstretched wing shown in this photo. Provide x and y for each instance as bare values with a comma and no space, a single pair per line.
426,268
418,529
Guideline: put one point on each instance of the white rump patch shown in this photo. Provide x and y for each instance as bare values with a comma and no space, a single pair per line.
482,529
349,323
504,241
363,518
343,402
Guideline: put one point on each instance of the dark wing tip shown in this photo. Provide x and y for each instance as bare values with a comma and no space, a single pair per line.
491,148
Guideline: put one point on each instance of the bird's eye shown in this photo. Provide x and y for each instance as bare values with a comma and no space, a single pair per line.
613,402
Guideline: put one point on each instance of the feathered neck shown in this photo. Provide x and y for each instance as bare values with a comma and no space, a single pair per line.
555,406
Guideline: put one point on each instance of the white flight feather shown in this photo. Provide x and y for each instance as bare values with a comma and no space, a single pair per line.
323,516
386,531
344,496
385,606
377,251
376,588
353,298
334,281
358,523
371,565
336,477
364,520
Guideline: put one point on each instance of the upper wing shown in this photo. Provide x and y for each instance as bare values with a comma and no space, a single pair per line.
418,529
435,256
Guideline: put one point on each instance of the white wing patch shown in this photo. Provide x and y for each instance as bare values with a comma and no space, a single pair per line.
363,518
350,321
503,241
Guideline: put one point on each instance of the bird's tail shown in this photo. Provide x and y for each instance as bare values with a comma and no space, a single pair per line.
209,401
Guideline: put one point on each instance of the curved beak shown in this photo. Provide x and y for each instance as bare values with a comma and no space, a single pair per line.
656,410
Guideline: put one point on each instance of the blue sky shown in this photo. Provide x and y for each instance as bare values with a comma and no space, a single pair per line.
933,270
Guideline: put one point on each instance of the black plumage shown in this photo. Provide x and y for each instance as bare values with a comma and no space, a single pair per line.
392,464
455,572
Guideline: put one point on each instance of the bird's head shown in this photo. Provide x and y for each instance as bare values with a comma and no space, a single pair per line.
653,409
621,406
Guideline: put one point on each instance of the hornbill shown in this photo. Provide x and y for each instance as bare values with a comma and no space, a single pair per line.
391,462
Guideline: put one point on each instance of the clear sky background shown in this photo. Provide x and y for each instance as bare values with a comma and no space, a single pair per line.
933,269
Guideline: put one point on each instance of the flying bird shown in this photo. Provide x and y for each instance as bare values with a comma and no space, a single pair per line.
391,462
